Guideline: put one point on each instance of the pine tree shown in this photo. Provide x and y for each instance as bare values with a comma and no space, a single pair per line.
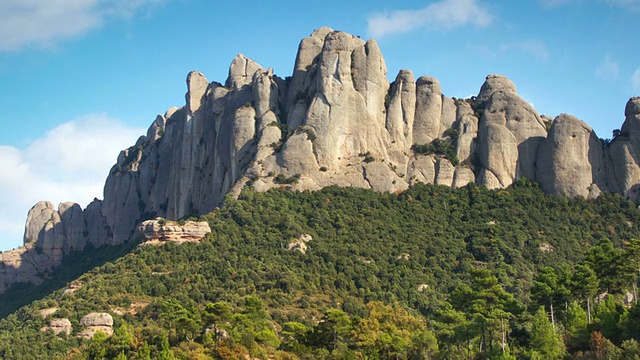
545,343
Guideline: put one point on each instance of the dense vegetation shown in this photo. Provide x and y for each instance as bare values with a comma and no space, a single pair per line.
430,273
447,147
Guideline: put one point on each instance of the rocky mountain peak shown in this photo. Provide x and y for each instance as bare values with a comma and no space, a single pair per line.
633,107
494,83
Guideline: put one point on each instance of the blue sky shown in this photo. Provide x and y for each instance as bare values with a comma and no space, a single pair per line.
82,79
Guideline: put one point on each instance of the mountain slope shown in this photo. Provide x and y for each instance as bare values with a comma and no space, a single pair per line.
416,250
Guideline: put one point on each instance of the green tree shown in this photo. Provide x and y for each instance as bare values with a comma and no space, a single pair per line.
545,343
632,261
630,323
489,309
584,285
551,289
294,337
453,329
577,334
215,314
390,332
333,329
182,321
165,352
608,314
630,350
609,265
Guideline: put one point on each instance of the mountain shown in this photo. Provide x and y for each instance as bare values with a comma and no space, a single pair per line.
434,272
336,121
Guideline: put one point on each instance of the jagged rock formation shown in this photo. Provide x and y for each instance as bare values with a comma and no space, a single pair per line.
159,231
336,121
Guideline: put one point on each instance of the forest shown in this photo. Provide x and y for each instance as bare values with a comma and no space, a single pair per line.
429,273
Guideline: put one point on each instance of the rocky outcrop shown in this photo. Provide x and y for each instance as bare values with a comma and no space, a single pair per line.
159,231
299,244
509,133
95,322
622,156
571,159
58,326
336,121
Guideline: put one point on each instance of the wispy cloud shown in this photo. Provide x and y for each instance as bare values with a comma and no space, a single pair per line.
443,14
45,23
530,47
625,4
635,79
533,47
69,163
554,3
608,69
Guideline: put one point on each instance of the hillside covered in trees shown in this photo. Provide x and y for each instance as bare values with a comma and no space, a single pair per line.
429,273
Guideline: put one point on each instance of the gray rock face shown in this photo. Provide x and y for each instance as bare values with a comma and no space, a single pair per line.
622,156
336,121
467,126
401,110
509,133
428,110
56,231
494,83
570,159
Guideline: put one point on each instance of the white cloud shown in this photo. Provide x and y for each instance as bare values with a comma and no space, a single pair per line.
533,47
625,4
69,163
608,69
554,3
443,14
635,78
45,23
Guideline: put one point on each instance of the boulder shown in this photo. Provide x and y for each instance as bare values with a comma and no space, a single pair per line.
97,319
95,322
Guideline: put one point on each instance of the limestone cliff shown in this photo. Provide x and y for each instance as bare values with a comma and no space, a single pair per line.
336,121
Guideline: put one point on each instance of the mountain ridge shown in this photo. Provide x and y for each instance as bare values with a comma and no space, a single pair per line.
336,121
